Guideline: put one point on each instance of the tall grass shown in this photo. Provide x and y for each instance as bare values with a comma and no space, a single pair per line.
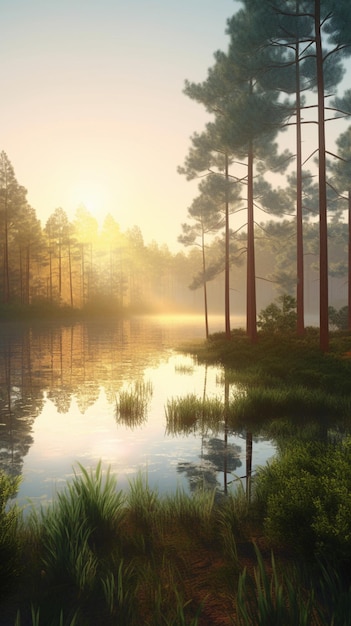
132,404
272,599
186,414
98,556
36,619
143,506
75,536
298,402
195,512
183,368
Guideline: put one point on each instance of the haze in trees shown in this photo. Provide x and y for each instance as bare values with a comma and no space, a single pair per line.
292,48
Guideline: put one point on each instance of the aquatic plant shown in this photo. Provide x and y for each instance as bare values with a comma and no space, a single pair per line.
185,414
264,403
132,403
183,368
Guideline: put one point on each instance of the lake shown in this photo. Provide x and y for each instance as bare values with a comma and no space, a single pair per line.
60,388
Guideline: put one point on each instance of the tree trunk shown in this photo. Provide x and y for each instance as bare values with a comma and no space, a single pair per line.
50,271
6,261
349,267
21,288
70,273
299,221
60,269
248,464
204,281
251,277
27,281
323,229
226,285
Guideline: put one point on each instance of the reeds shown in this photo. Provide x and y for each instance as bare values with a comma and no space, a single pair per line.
132,403
260,404
187,414
102,557
183,368
36,619
273,599
256,404
75,536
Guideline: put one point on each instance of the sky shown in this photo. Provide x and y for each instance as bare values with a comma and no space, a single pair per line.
92,105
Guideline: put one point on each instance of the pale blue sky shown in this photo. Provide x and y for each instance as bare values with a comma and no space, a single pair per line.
92,109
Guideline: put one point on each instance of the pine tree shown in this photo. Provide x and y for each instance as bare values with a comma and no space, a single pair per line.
248,116
206,219
341,182
12,201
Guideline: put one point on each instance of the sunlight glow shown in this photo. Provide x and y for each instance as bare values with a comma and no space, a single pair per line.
90,194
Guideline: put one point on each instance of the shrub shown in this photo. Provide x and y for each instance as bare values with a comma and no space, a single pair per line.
10,542
278,318
305,496
339,319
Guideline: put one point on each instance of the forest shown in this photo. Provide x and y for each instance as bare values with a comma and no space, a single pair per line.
74,266
268,219
281,73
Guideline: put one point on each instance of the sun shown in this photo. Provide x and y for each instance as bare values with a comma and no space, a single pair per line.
91,195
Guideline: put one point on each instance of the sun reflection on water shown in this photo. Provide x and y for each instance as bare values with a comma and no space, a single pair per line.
65,382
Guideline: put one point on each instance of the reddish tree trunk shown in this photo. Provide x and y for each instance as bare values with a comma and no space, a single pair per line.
299,221
251,277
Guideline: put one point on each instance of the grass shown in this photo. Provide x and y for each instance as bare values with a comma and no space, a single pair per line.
132,404
294,402
282,376
255,407
186,414
100,556
271,598
275,360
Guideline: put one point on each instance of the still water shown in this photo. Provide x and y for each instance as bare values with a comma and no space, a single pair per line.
59,391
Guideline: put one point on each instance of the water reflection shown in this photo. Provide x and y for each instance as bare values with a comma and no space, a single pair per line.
66,396
217,456
132,404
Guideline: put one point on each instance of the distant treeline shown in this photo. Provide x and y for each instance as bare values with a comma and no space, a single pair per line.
71,265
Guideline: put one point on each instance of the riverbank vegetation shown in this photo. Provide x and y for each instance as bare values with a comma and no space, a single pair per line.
99,555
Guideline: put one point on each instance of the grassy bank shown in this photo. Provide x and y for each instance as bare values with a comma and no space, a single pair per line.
100,556
282,375
277,358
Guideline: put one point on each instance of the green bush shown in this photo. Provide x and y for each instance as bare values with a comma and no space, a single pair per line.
279,318
339,318
10,542
306,499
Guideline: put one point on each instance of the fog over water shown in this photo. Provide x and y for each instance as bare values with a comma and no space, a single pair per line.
61,386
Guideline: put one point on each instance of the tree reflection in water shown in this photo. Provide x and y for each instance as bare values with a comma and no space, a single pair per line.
217,457
20,403
60,402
